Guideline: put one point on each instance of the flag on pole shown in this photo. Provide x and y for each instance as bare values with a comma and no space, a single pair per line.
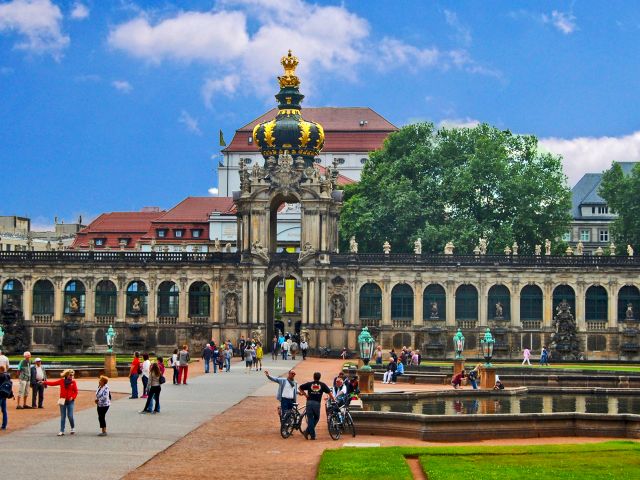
222,142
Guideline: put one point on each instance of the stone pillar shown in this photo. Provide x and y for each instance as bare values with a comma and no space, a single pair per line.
305,301
27,298
110,369
458,366
215,299
515,305
386,303
581,323
354,302
152,301
254,301
612,406
613,305
581,404
58,299
488,378
245,302
260,314
121,312
183,302
482,303
547,317
365,381
324,304
90,301
451,303
417,306
312,301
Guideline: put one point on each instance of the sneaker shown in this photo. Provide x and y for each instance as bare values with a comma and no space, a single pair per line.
18,407
102,434
143,411
72,432
61,434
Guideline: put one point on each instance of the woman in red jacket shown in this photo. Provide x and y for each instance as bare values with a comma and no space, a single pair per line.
68,394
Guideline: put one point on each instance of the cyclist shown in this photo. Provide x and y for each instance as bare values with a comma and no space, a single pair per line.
314,391
287,391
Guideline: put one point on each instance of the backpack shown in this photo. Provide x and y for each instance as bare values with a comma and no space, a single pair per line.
6,389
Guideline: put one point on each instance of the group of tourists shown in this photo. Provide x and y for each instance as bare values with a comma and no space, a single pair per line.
32,378
544,356
218,355
342,391
288,346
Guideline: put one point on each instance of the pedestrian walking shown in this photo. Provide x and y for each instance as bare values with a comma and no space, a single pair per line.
275,345
183,362
134,371
285,349
38,377
304,349
215,353
103,402
526,354
228,353
155,387
314,391
378,355
259,356
146,366
207,355
67,398
544,356
6,392
173,363
249,351
293,349
24,377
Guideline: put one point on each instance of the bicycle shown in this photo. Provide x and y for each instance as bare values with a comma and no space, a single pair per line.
292,420
339,420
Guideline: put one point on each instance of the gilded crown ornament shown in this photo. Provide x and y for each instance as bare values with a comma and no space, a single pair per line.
289,133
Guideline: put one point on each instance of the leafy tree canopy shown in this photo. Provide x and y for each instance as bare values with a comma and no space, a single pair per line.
457,184
622,194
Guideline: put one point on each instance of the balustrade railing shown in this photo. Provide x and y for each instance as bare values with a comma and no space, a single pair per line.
199,320
105,319
167,320
596,325
370,322
117,257
42,318
531,324
466,324
401,322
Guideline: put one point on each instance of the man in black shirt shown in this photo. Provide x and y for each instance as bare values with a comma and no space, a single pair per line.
314,391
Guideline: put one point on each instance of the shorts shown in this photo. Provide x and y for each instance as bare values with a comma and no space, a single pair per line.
249,363
23,391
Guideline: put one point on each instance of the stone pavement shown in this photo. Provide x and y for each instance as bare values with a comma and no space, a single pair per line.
133,438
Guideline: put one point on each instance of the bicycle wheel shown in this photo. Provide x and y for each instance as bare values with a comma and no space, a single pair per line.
287,424
335,425
349,426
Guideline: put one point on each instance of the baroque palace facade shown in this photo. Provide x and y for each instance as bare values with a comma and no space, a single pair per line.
157,299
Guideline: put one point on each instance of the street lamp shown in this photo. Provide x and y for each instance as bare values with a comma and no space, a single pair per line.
366,343
486,343
458,344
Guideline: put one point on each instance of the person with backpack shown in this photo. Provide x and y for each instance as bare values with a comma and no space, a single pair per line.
6,392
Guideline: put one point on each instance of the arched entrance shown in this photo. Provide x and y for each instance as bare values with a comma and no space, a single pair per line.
283,307
284,223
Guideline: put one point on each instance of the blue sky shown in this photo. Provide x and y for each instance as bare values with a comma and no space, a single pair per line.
116,105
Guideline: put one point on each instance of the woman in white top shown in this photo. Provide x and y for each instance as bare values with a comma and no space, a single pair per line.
103,401
173,363
146,366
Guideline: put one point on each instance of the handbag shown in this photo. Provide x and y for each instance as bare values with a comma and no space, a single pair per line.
162,379
62,401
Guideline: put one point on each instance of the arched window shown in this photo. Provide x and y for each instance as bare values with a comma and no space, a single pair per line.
499,303
402,302
370,302
531,303
12,291
434,294
628,296
136,299
106,298
74,298
596,304
564,292
43,298
168,299
199,297
466,303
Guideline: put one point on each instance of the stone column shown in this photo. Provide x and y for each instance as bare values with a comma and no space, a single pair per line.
121,312
27,298
215,299
90,299
547,290
305,301
451,303
254,301
581,323
353,302
515,304
312,301
323,307
183,301
58,299
386,302
613,305
482,303
152,301
417,305
260,314
245,302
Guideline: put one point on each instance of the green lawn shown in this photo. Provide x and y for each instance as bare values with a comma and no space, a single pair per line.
606,460
562,366
87,359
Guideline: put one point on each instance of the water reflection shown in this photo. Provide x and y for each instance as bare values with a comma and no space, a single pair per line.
605,404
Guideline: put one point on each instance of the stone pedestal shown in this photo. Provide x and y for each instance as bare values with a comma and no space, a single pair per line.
488,379
365,378
458,366
110,368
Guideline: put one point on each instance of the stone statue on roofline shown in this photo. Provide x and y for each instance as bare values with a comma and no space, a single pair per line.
216,245
353,245
580,248
514,248
386,247
569,251
507,250
538,250
448,248
417,246
547,247
599,252
630,250
483,246
612,249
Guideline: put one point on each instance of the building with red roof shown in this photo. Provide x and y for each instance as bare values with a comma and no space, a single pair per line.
111,230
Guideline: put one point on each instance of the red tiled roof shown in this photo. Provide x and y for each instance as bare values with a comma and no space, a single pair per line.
122,222
342,128
197,209
342,180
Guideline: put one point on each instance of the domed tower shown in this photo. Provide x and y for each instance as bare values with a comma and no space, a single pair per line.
289,132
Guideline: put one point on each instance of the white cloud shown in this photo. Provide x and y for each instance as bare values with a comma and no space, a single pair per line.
38,23
463,33
564,22
465,122
243,41
226,85
593,154
122,86
189,122
80,11
213,191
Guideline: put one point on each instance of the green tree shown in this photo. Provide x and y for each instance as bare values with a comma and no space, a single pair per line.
622,194
457,184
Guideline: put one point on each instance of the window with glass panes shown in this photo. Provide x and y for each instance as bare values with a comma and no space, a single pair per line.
604,235
371,301
168,299
499,294
585,235
628,295
199,299
466,303
434,294
531,303
74,294
596,303
136,298
564,292
402,302
43,298
106,298
12,290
